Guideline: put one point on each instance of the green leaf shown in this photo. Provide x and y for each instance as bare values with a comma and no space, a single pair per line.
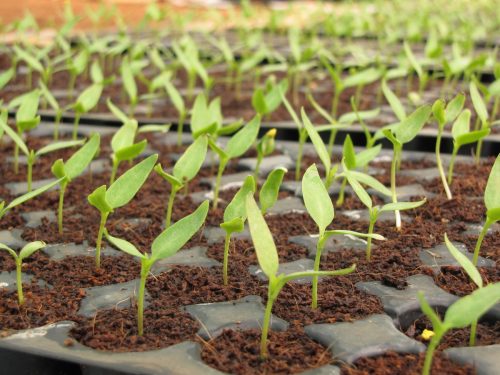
235,225
401,206
371,182
189,164
230,128
359,190
259,102
243,139
77,163
236,208
15,137
411,126
128,184
199,115
472,137
341,232
128,80
364,77
429,312
273,97
366,156
438,112
96,73
466,264
26,115
262,239
413,61
11,252
124,136
461,125
58,146
350,117
80,62
117,111
318,143
469,309
26,197
316,199
478,102
349,153
58,170
175,237
48,96
88,98
454,107
154,128
269,191
98,199
174,181
393,101
30,248
31,61
124,246
492,191
303,274
175,97
6,76
130,152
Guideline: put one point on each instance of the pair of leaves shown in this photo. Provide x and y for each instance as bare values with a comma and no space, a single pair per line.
461,130
170,240
128,79
123,145
355,160
205,117
88,98
26,251
26,115
267,102
409,127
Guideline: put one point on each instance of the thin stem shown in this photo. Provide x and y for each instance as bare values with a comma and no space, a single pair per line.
486,226
104,217
298,162
430,353
266,323
393,188
478,150
473,329
145,266
191,83
60,208
340,199
19,281
226,258
335,102
170,205
114,169
319,249
75,125
369,239
440,164
257,166
220,171
30,161
452,163
180,127
56,124
16,158
331,140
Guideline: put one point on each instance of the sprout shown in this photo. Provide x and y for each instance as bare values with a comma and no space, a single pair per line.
118,194
320,208
492,203
32,155
460,314
265,146
185,169
462,136
25,252
74,166
165,245
26,118
236,146
267,256
266,102
444,116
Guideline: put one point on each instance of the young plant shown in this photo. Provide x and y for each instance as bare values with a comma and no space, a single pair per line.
266,101
165,245
267,256
74,166
26,119
32,155
185,169
320,208
265,146
119,193
482,115
236,146
462,135
25,252
492,203
460,314
472,272
444,116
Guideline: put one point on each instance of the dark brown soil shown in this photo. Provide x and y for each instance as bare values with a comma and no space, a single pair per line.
237,352
393,363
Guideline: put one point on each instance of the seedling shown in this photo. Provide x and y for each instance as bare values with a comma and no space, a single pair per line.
265,146
423,76
235,213
482,115
236,146
117,195
185,169
25,252
178,102
460,314
267,101
472,272
320,208
74,166
492,203
462,135
165,245
444,116
129,83
32,155
267,256
55,107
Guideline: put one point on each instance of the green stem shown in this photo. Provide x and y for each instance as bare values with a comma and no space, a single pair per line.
19,281
473,329
340,199
335,102
319,249
114,169
440,164
369,239
257,166
56,124
486,226
75,125
331,140
220,171
140,298
265,324
226,258
170,206
180,127
71,87
298,162
30,161
16,154
60,208
393,187
104,217
478,150
191,83
430,353
452,163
